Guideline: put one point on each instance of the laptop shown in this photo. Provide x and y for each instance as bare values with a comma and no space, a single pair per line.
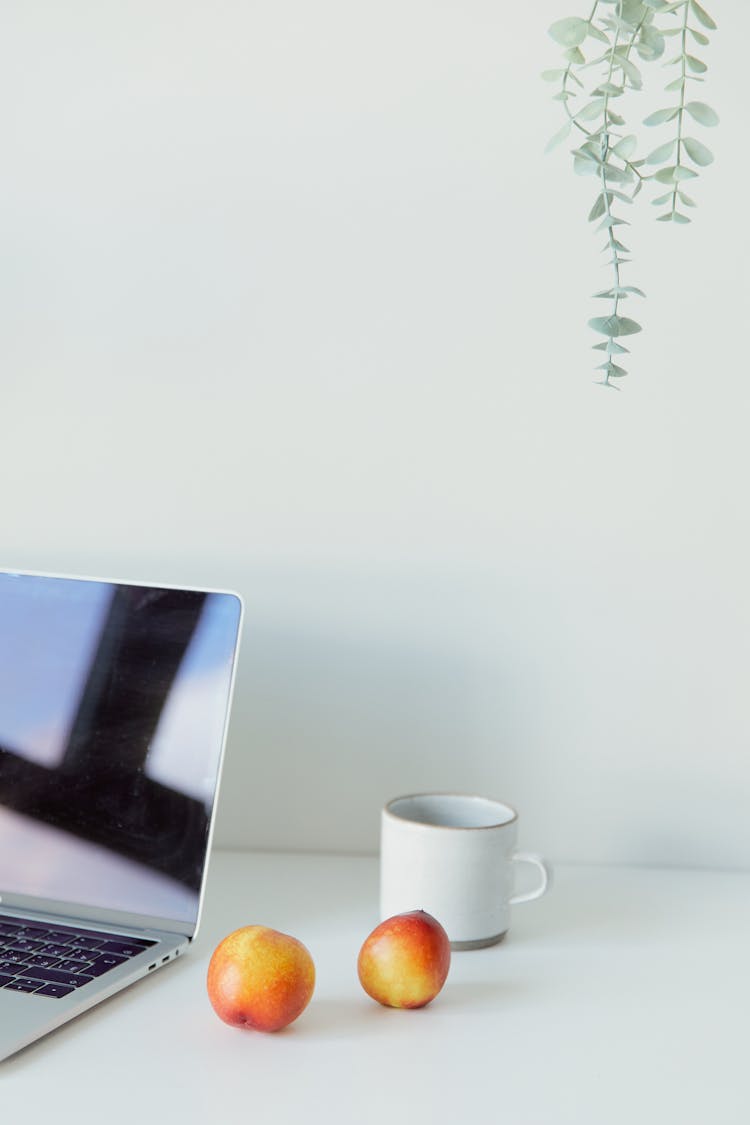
114,704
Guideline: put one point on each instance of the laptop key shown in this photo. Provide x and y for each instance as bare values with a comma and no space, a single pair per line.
53,950
72,966
122,948
57,990
42,959
104,963
5,979
24,945
80,953
87,943
11,964
54,976
23,985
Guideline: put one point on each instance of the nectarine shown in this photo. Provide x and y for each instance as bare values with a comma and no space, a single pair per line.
405,960
260,978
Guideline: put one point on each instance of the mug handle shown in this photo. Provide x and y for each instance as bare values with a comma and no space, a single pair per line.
545,871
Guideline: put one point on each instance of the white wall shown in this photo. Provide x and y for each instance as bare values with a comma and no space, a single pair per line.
292,301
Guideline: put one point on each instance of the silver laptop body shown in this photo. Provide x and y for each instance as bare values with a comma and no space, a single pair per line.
114,705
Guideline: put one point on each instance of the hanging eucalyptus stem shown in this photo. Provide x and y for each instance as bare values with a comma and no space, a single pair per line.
608,151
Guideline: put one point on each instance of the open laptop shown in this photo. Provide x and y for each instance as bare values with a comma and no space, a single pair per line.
114,703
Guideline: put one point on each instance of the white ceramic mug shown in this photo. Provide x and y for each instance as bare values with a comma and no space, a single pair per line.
453,855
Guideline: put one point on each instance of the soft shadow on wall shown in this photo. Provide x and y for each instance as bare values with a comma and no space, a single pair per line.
328,728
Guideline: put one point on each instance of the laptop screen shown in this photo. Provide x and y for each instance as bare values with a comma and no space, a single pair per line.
113,708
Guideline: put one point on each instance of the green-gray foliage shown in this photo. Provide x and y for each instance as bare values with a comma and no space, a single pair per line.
603,56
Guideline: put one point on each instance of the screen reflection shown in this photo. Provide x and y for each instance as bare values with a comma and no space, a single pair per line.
113,703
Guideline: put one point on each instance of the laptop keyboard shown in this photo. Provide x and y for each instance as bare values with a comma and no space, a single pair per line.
52,960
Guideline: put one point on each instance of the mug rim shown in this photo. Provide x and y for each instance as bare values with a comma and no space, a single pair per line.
389,811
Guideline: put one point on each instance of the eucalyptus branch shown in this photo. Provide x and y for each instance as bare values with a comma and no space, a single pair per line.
681,148
608,151
612,325
630,73
674,215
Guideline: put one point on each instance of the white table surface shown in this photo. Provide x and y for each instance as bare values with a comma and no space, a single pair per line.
621,997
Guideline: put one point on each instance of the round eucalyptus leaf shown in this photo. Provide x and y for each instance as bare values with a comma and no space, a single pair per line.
611,221
590,150
702,113
702,15
610,89
595,33
661,116
650,44
696,65
583,167
619,195
697,151
590,110
662,153
611,347
614,325
631,13
626,147
569,32
630,71
558,138
575,56
598,209
616,175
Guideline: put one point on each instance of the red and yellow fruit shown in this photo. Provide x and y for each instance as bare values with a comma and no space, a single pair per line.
405,960
260,978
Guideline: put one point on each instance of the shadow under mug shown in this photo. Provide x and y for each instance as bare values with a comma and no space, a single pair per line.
453,855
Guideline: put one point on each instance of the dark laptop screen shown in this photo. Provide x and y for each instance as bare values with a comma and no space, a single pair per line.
113,706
